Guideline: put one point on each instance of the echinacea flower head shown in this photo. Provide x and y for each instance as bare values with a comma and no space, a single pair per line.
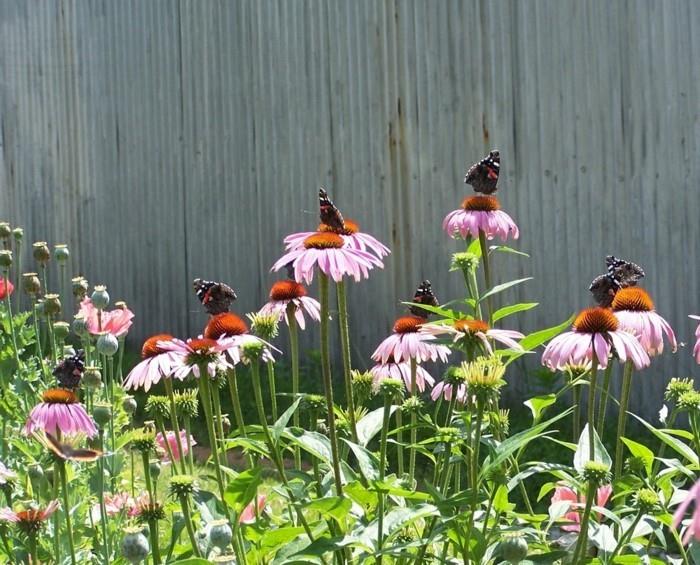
577,502
692,531
470,331
484,376
634,310
60,412
596,331
401,371
231,335
29,520
116,322
6,288
195,353
480,214
226,324
351,234
286,295
265,325
452,385
406,343
328,252
158,363
696,349
171,439
250,511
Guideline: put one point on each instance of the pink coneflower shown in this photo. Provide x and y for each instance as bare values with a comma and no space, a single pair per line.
192,353
480,213
696,349
60,412
595,330
634,310
351,234
407,343
116,322
474,329
31,519
231,333
172,440
334,259
6,288
286,292
693,529
6,475
577,503
401,371
157,363
249,512
446,390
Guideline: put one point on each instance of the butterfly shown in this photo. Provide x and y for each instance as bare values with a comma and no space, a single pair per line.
216,297
289,267
70,370
620,274
424,295
330,215
66,451
483,176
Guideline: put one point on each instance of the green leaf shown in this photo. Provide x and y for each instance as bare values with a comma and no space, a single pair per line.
314,443
641,451
537,404
675,444
192,561
475,248
583,451
241,490
513,309
506,249
331,507
369,426
500,501
274,538
438,310
537,338
283,420
392,487
501,287
368,462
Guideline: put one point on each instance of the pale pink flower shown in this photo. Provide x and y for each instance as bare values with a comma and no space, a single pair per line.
172,440
693,529
480,214
249,512
467,329
596,330
401,371
352,236
231,334
60,412
190,354
408,343
634,310
28,519
116,322
6,475
446,390
577,503
327,250
286,292
158,363
696,349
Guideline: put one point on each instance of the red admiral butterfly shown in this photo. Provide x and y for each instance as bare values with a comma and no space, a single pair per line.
621,274
424,295
483,176
330,215
66,451
216,297
70,369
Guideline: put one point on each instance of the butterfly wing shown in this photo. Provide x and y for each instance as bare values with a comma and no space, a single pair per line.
83,455
624,272
215,297
330,215
424,295
52,444
603,289
483,176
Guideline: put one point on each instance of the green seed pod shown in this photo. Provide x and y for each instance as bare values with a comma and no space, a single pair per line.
80,287
135,547
220,534
102,413
154,467
100,297
61,330
18,234
40,252
107,344
31,283
52,304
129,404
5,258
92,378
5,230
513,547
61,253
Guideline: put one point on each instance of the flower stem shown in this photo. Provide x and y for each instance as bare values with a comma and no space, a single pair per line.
188,524
69,529
103,508
382,468
294,346
604,396
147,477
487,271
345,349
327,381
31,541
626,536
155,546
271,385
232,381
591,409
622,416
576,424
190,453
582,544
168,448
13,335
216,403
414,424
174,423
399,442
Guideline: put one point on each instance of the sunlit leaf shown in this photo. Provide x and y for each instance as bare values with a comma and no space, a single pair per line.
513,309
369,425
241,490
501,287
583,451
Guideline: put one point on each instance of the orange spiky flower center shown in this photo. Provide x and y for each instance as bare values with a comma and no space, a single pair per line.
471,326
226,323
481,203
633,298
596,320
287,290
324,240
59,396
30,516
351,227
150,346
408,324
202,345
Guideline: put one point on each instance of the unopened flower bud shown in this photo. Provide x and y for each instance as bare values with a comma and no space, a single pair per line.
129,405
102,413
187,404
79,287
464,261
265,326
154,469
61,330
135,547
647,500
448,434
100,297
676,387
31,284
92,378
182,485
79,326
596,472
61,253
5,230
220,534
252,351
158,407
513,547
5,258
362,385
107,344
225,423
412,404
52,305
390,387
40,252
313,402
18,234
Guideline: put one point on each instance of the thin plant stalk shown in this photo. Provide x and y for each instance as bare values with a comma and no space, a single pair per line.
576,395
13,335
604,396
591,409
345,350
18,271
382,469
474,467
294,347
173,422
61,468
582,544
103,507
271,384
31,542
622,415
414,424
399,442
487,271
327,382
626,536
188,432
232,380
152,524
168,448
187,515
216,403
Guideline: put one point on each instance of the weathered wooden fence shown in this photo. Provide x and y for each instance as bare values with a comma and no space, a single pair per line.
166,139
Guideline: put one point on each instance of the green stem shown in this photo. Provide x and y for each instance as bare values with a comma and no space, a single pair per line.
174,423
168,448
625,537
414,425
582,545
345,350
188,432
13,335
188,524
622,416
103,508
487,271
294,347
232,381
399,442
591,409
604,395
147,477
216,403
657,460
271,385
327,381
576,393
155,545
69,529
31,540
474,468
205,398
382,469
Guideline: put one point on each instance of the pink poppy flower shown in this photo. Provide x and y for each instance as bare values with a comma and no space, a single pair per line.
157,363
446,390
401,371
470,329
116,322
248,514
6,288
577,503
595,330
351,234
327,250
231,333
172,440
286,292
60,413
696,349
29,520
634,310
193,352
693,529
408,343
480,213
